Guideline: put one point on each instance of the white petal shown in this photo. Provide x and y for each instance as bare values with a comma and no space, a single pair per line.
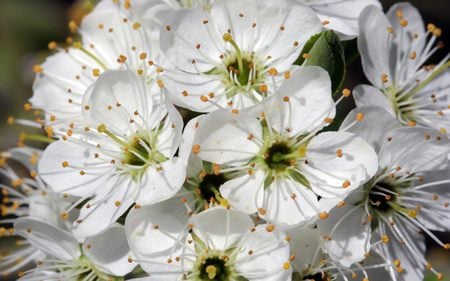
221,228
299,24
366,95
170,136
327,173
195,86
270,253
224,138
156,245
110,202
374,127
374,44
54,87
289,203
115,87
309,102
245,193
158,185
47,238
185,38
350,234
414,150
342,15
395,250
69,180
193,163
304,246
109,251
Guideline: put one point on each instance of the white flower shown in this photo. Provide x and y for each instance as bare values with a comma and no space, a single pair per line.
25,195
394,49
101,257
113,36
217,244
280,163
126,155
235,54
340,15
398,204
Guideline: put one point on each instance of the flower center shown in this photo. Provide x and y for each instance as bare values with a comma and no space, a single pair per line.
214,269
208,188
384,196
279,156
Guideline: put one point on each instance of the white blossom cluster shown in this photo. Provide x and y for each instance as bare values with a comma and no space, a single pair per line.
198,140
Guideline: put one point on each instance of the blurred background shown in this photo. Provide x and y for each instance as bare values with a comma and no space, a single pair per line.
27,26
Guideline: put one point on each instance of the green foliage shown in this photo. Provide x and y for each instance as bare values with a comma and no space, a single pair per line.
325,50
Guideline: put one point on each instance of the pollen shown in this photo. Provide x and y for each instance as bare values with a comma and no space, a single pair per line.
196,149
346,92
270,228
286,265
96,72
136,26
117,203
287,75
339,153
65,164
323,215
263,88
227,37
27,106
160,83
384,78
38,69
359,116
73,26
385,239
272,71
403,23
64,216
346,184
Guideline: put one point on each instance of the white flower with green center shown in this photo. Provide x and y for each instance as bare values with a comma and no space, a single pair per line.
96,259
113,36
280,161
399,204
125,155
25,194
234,54
340,15
311,262
394,49
217,244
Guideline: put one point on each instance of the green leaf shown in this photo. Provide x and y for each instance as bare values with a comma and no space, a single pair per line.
325,50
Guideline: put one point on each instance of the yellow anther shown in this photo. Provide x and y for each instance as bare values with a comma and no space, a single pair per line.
96,72
52,45
270,228
136,26
412,213
412,123
38,69
403,22
437,32
263,88
385,239
359,116
73,26
346,92
384,78
413,55
64,216
323,215
286,99
117,203
286,265
227,37
397,263
203,98
431,27
440,276
306,56
339,153
196,149
399,13
65,164
101,128
287,75
390,29
160,83
272,71
211,270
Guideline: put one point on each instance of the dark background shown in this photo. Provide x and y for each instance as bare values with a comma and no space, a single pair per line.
27,26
